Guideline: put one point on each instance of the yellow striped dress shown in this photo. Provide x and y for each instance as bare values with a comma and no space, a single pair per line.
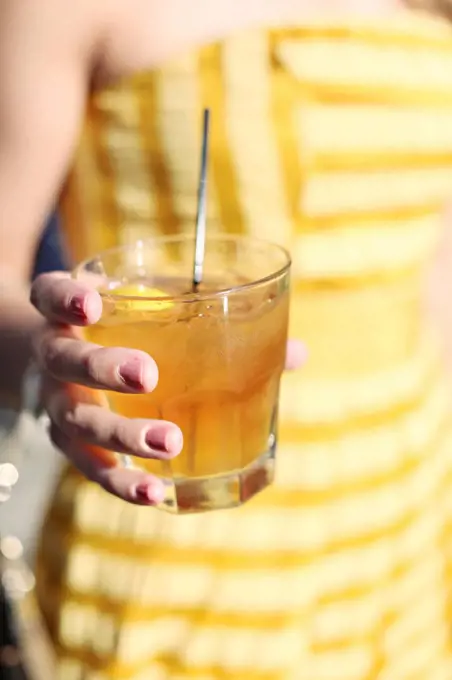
335,140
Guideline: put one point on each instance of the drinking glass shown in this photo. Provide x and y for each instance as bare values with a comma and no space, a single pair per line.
220,349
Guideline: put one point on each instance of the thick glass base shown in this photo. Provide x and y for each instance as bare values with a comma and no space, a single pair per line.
198,494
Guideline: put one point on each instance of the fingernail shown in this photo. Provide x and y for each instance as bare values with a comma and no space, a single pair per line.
174,441
157,439
142,492
149,493
166,441
131,374
77,307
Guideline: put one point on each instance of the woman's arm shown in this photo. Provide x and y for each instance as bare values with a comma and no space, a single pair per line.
46,54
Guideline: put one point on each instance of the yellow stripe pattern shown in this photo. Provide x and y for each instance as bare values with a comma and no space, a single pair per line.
337,141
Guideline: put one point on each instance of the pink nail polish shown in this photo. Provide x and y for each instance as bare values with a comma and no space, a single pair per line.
150,493
77,308
164,440
131,374
157,440
142,492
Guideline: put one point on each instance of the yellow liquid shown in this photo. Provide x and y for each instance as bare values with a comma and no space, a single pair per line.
220,362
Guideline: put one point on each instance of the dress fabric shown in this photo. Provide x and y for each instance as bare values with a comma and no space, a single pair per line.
335,140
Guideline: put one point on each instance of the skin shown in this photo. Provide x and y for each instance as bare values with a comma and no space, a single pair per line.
51,53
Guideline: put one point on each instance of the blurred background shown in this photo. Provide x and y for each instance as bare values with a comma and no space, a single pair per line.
24,443
29,466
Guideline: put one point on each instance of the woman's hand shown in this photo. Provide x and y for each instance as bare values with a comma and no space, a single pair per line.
81,425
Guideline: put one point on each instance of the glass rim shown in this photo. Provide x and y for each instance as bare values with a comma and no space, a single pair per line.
188,297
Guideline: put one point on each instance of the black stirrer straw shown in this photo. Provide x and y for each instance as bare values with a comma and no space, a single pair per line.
200,234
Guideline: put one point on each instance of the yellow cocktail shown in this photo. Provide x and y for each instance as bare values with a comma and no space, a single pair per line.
220,353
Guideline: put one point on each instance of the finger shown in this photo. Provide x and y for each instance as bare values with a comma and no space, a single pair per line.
63,300
296,355
68,359
78,414
101,466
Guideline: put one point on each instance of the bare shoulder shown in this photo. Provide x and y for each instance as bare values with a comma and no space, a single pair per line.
48,51
145,33
67,27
